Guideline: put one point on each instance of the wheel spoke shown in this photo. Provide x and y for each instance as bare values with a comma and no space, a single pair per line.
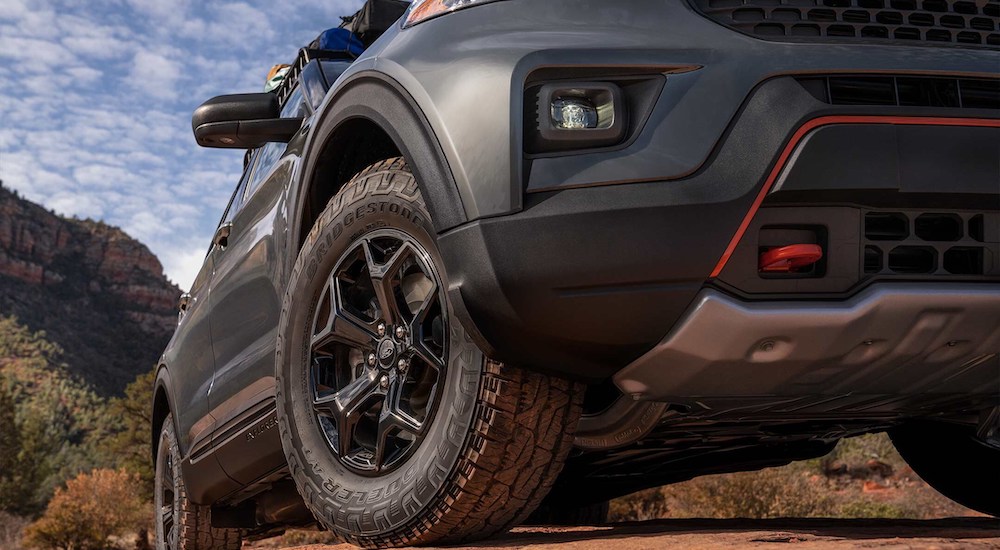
345,406
167,517
382,276
421,350
344,330
420,315
342,327
391,418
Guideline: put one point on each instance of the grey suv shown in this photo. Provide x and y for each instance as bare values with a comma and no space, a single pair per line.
526,256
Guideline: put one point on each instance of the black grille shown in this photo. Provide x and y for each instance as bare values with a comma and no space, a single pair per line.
969,23
905,91
911,243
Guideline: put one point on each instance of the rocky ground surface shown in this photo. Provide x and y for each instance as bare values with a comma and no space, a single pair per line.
941,534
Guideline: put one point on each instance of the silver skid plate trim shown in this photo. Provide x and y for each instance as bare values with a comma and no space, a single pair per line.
902,339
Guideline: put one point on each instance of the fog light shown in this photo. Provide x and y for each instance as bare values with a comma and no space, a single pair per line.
573,113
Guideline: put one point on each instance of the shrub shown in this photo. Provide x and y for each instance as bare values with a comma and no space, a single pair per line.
862,508
640,506
773,492
91,510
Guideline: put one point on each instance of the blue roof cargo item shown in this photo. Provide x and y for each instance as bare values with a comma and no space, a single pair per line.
339,39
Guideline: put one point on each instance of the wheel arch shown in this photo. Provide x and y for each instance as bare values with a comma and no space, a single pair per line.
161,407
370,118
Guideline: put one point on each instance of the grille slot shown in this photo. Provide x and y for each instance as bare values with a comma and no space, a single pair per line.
912,259
977,228
938,227
886,226
873,259
964,23
965,93
964,260
938,244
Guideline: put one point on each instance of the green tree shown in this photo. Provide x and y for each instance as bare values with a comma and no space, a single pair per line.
53,415
12,491
130,446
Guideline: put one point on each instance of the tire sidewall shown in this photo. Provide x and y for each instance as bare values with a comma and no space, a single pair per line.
346,502
167,448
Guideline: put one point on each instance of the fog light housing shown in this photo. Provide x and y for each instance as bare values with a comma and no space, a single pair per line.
573,113
577,115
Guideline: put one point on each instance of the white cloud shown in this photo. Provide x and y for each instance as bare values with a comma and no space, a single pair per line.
163,13
81,205
13,9
101,176
84,75
99,124
154,75
183,263
33,54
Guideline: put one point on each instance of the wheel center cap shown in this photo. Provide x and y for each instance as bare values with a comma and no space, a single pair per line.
386,353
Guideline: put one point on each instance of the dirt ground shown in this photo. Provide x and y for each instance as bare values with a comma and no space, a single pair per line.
940,534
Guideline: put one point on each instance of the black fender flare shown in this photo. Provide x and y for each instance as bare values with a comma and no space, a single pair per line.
161,384
376,97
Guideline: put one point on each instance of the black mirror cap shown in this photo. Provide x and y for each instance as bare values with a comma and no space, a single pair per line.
236,107
246,134
242,121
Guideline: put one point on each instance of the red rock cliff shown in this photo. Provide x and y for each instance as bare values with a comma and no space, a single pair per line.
58,274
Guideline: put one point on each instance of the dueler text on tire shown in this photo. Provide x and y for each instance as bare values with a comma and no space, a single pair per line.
180,523
396,428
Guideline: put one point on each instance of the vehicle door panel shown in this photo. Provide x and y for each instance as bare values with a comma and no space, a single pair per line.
247,289
191,362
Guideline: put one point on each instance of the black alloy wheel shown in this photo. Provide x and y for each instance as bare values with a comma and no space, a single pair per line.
378,351
165,503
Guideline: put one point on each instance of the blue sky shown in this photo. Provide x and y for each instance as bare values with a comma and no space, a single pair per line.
95,119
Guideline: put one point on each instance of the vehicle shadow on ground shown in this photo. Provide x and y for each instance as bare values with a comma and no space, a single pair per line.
766,530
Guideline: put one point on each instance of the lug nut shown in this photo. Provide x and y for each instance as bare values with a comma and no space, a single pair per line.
372,359
384,382
381,329
403,365
400,332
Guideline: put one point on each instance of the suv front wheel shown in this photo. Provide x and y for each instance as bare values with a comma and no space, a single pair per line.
396,428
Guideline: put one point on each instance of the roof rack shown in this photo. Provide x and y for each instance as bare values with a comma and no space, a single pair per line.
303,58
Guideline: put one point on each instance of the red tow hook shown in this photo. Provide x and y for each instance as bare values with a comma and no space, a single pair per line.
791,258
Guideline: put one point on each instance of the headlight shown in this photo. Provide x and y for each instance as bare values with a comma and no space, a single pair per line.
422,10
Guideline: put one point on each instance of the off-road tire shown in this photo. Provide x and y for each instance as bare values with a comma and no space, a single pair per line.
193,523
500,435
950,459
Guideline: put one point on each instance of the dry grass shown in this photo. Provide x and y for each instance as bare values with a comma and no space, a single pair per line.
863,477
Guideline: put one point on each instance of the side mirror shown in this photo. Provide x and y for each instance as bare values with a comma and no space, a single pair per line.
242,121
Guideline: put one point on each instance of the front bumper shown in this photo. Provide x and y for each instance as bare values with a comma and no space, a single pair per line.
584,281
891,339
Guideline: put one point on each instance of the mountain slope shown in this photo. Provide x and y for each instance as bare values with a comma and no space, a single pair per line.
97,293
